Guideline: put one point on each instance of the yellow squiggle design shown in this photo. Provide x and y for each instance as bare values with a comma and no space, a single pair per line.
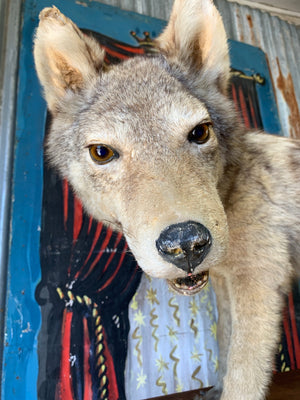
209,310
154,326
209,351
176,361
175,311
197,370
162,384
194,327
137,347
204,298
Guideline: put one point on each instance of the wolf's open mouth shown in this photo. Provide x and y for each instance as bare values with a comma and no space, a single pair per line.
191,284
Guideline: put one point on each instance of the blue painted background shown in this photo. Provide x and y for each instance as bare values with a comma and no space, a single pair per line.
23,317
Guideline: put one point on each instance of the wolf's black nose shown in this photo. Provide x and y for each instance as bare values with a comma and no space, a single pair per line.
185,244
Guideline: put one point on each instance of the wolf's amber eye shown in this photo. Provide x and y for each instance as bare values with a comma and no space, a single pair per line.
200,134
102,154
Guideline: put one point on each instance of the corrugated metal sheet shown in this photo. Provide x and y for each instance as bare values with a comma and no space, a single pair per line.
277,38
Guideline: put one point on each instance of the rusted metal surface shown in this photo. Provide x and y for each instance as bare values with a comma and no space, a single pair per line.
286,86
277,38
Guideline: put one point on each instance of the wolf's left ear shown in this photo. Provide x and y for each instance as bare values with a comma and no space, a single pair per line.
195,39
65,58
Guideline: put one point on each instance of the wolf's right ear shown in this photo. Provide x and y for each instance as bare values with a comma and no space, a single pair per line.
65,58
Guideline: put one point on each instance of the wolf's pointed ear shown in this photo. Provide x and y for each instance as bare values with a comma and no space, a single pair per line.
65,58
195,39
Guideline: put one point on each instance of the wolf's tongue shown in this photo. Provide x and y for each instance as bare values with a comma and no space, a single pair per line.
191,284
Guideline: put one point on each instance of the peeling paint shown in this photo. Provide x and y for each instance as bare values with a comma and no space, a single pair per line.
286,86
28,329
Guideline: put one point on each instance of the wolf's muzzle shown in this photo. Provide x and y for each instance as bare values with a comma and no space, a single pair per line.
185,244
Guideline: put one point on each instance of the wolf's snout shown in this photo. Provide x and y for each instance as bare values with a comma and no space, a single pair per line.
184,245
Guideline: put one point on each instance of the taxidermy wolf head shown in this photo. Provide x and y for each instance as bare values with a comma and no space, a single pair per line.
145,143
